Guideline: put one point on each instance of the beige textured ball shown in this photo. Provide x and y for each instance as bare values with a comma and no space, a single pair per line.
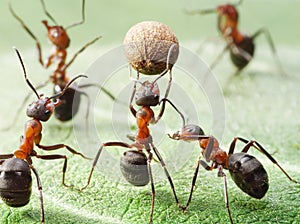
149,46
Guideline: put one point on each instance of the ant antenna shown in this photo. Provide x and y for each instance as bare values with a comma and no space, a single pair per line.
207,11
47,13
168,63
83,17
136,80
25,74
66,87
238,3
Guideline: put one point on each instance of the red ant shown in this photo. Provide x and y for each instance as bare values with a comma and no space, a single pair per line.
245,170
15,177
241,46
59,38
135,165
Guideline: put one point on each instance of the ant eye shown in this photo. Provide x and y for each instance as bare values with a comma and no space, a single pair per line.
47,112
190,130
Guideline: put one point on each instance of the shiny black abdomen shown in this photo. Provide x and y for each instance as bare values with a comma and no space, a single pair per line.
248,174
134,167
246,45
70,104
15,182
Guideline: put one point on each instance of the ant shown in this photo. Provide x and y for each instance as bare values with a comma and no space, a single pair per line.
135,165
245,170
59,38
240,46
15,175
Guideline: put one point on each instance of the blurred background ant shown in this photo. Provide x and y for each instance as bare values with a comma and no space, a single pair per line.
59,38
135,164
15,175
245,170
240,46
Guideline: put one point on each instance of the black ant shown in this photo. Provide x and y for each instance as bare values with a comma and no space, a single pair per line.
245,170
135,165
241,46
59,38
15,177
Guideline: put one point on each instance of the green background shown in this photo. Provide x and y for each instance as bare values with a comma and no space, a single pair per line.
260,104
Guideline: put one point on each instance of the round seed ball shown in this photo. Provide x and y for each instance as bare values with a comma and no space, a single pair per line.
149,46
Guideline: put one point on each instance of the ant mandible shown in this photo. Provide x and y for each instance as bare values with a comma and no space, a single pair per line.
241,46
59,38
135,165
15,177
245,170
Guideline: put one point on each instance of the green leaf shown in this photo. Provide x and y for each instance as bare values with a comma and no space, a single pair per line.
260,104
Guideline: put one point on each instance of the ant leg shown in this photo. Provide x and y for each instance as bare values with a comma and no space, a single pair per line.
37,42
6,156
87,110
152,184
107,92
59,146
202,45
39,184
166,172
80,51
82,19
222,174
121,144
218,58
51,157
133,111
260,148
164,100
272,46
208,151
168,68
193,185
169,84
214,63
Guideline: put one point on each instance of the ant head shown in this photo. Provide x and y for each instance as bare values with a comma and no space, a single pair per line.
189,132
42,108
57,35
148,94
229,11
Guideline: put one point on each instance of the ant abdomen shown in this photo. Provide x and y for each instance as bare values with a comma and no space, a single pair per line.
241,59
134,168
69,104
248,174
15,182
